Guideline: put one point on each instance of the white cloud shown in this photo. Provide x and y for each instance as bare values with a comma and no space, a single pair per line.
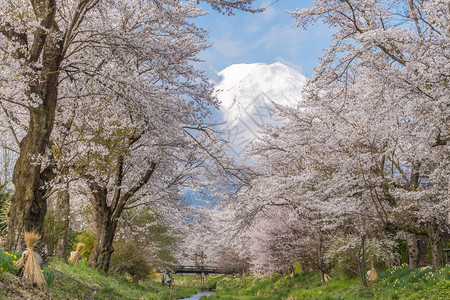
230,48
296,66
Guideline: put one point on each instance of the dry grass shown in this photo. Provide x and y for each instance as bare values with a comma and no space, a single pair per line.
74,258
13,288
373,273
31,268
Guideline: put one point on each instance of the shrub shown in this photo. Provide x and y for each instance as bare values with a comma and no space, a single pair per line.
154,274
128,258
53,230
345,253
4,208
298,268
7,260
88,238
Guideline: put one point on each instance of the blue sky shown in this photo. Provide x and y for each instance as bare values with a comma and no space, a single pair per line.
266,37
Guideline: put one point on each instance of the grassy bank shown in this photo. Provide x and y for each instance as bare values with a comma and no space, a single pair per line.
82,282
399,283
210,281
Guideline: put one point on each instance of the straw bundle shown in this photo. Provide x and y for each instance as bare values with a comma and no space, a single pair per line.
31,268
74,258
373,275
19,264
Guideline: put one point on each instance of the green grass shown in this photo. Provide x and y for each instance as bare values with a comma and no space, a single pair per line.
399,283
195,281
83,279
82,282
7,260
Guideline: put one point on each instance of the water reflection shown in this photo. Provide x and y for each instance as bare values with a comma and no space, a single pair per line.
199,295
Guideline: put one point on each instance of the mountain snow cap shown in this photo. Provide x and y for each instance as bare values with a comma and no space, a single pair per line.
247,91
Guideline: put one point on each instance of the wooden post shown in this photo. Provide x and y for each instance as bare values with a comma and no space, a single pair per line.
203,281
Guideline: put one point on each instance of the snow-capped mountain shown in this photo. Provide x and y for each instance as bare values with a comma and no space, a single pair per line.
247,92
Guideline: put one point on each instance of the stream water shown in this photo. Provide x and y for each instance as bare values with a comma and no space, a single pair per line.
199,295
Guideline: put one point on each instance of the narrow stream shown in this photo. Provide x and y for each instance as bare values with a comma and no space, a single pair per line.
199,295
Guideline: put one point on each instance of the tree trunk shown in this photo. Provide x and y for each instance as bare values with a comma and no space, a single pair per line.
361,260
62,212
106,217
413,250
100,256
435,242
362,274
320,262
411,239
28,206
322,277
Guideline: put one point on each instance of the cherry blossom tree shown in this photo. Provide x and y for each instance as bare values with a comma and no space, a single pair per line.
365,154
386,77
54,50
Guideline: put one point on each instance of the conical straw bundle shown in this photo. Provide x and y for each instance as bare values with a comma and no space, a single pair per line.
20,263
75,255
31,268
373,273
